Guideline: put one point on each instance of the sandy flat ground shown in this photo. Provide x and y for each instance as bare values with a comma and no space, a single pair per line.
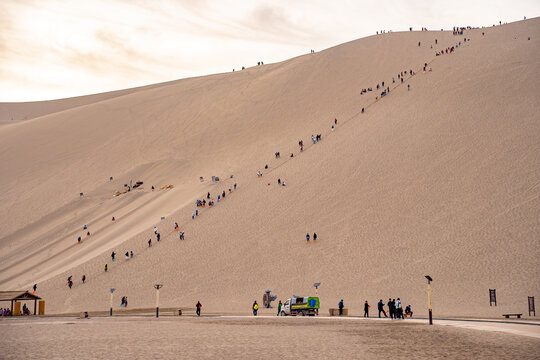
259,338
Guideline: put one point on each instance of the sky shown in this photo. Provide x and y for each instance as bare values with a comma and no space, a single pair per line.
52,49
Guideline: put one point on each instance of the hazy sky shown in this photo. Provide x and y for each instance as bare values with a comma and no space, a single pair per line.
52,48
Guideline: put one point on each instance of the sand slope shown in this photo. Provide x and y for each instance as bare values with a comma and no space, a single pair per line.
439,180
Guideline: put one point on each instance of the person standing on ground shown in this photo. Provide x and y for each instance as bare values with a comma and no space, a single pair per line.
113,254
35,288
366,309
279,308
255,308
127,255
79,240
340,305
131,254
314,237
198,306
83,278
106,267
149,242
408,87
380,307
390,309
399,309
158,237
307,238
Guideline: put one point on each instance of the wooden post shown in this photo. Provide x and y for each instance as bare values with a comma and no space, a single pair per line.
35,305
11,307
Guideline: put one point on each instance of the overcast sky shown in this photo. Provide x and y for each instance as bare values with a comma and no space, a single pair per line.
52,48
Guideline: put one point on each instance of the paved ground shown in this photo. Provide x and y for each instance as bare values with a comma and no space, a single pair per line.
261,338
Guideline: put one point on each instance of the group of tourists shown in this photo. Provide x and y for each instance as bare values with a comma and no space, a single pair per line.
395,309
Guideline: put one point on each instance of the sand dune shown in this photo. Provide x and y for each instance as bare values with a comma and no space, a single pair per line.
439,180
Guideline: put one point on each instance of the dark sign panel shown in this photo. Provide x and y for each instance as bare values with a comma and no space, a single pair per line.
492,297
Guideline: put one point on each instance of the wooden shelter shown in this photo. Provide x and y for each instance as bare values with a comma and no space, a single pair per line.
19,295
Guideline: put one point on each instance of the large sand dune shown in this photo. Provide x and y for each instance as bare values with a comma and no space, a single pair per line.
442,180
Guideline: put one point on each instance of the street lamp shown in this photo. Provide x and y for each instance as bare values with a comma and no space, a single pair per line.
112,290
429,280
316,285
157,286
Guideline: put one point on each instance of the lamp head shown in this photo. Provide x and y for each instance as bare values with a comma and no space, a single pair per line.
429,279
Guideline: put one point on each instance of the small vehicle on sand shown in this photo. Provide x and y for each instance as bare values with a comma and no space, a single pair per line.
301,306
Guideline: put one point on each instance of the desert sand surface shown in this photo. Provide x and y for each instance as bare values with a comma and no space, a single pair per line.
249,338
443,179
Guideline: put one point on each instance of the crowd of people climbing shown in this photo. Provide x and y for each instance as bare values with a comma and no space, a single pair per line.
395,310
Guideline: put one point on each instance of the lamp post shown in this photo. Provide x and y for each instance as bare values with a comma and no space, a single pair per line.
157,286
112,291
316,285
429,280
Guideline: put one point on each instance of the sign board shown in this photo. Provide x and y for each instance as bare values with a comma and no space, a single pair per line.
492,297
531,306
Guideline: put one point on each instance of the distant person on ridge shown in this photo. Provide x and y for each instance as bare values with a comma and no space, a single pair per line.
35,288
366,309
83,278
307,237
279,308
314,237
198,306
340,305
106,267
113,254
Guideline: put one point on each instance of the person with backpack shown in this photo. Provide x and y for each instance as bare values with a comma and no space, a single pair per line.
255,308
399,309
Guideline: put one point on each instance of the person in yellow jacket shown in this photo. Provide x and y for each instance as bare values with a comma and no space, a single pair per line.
255,308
